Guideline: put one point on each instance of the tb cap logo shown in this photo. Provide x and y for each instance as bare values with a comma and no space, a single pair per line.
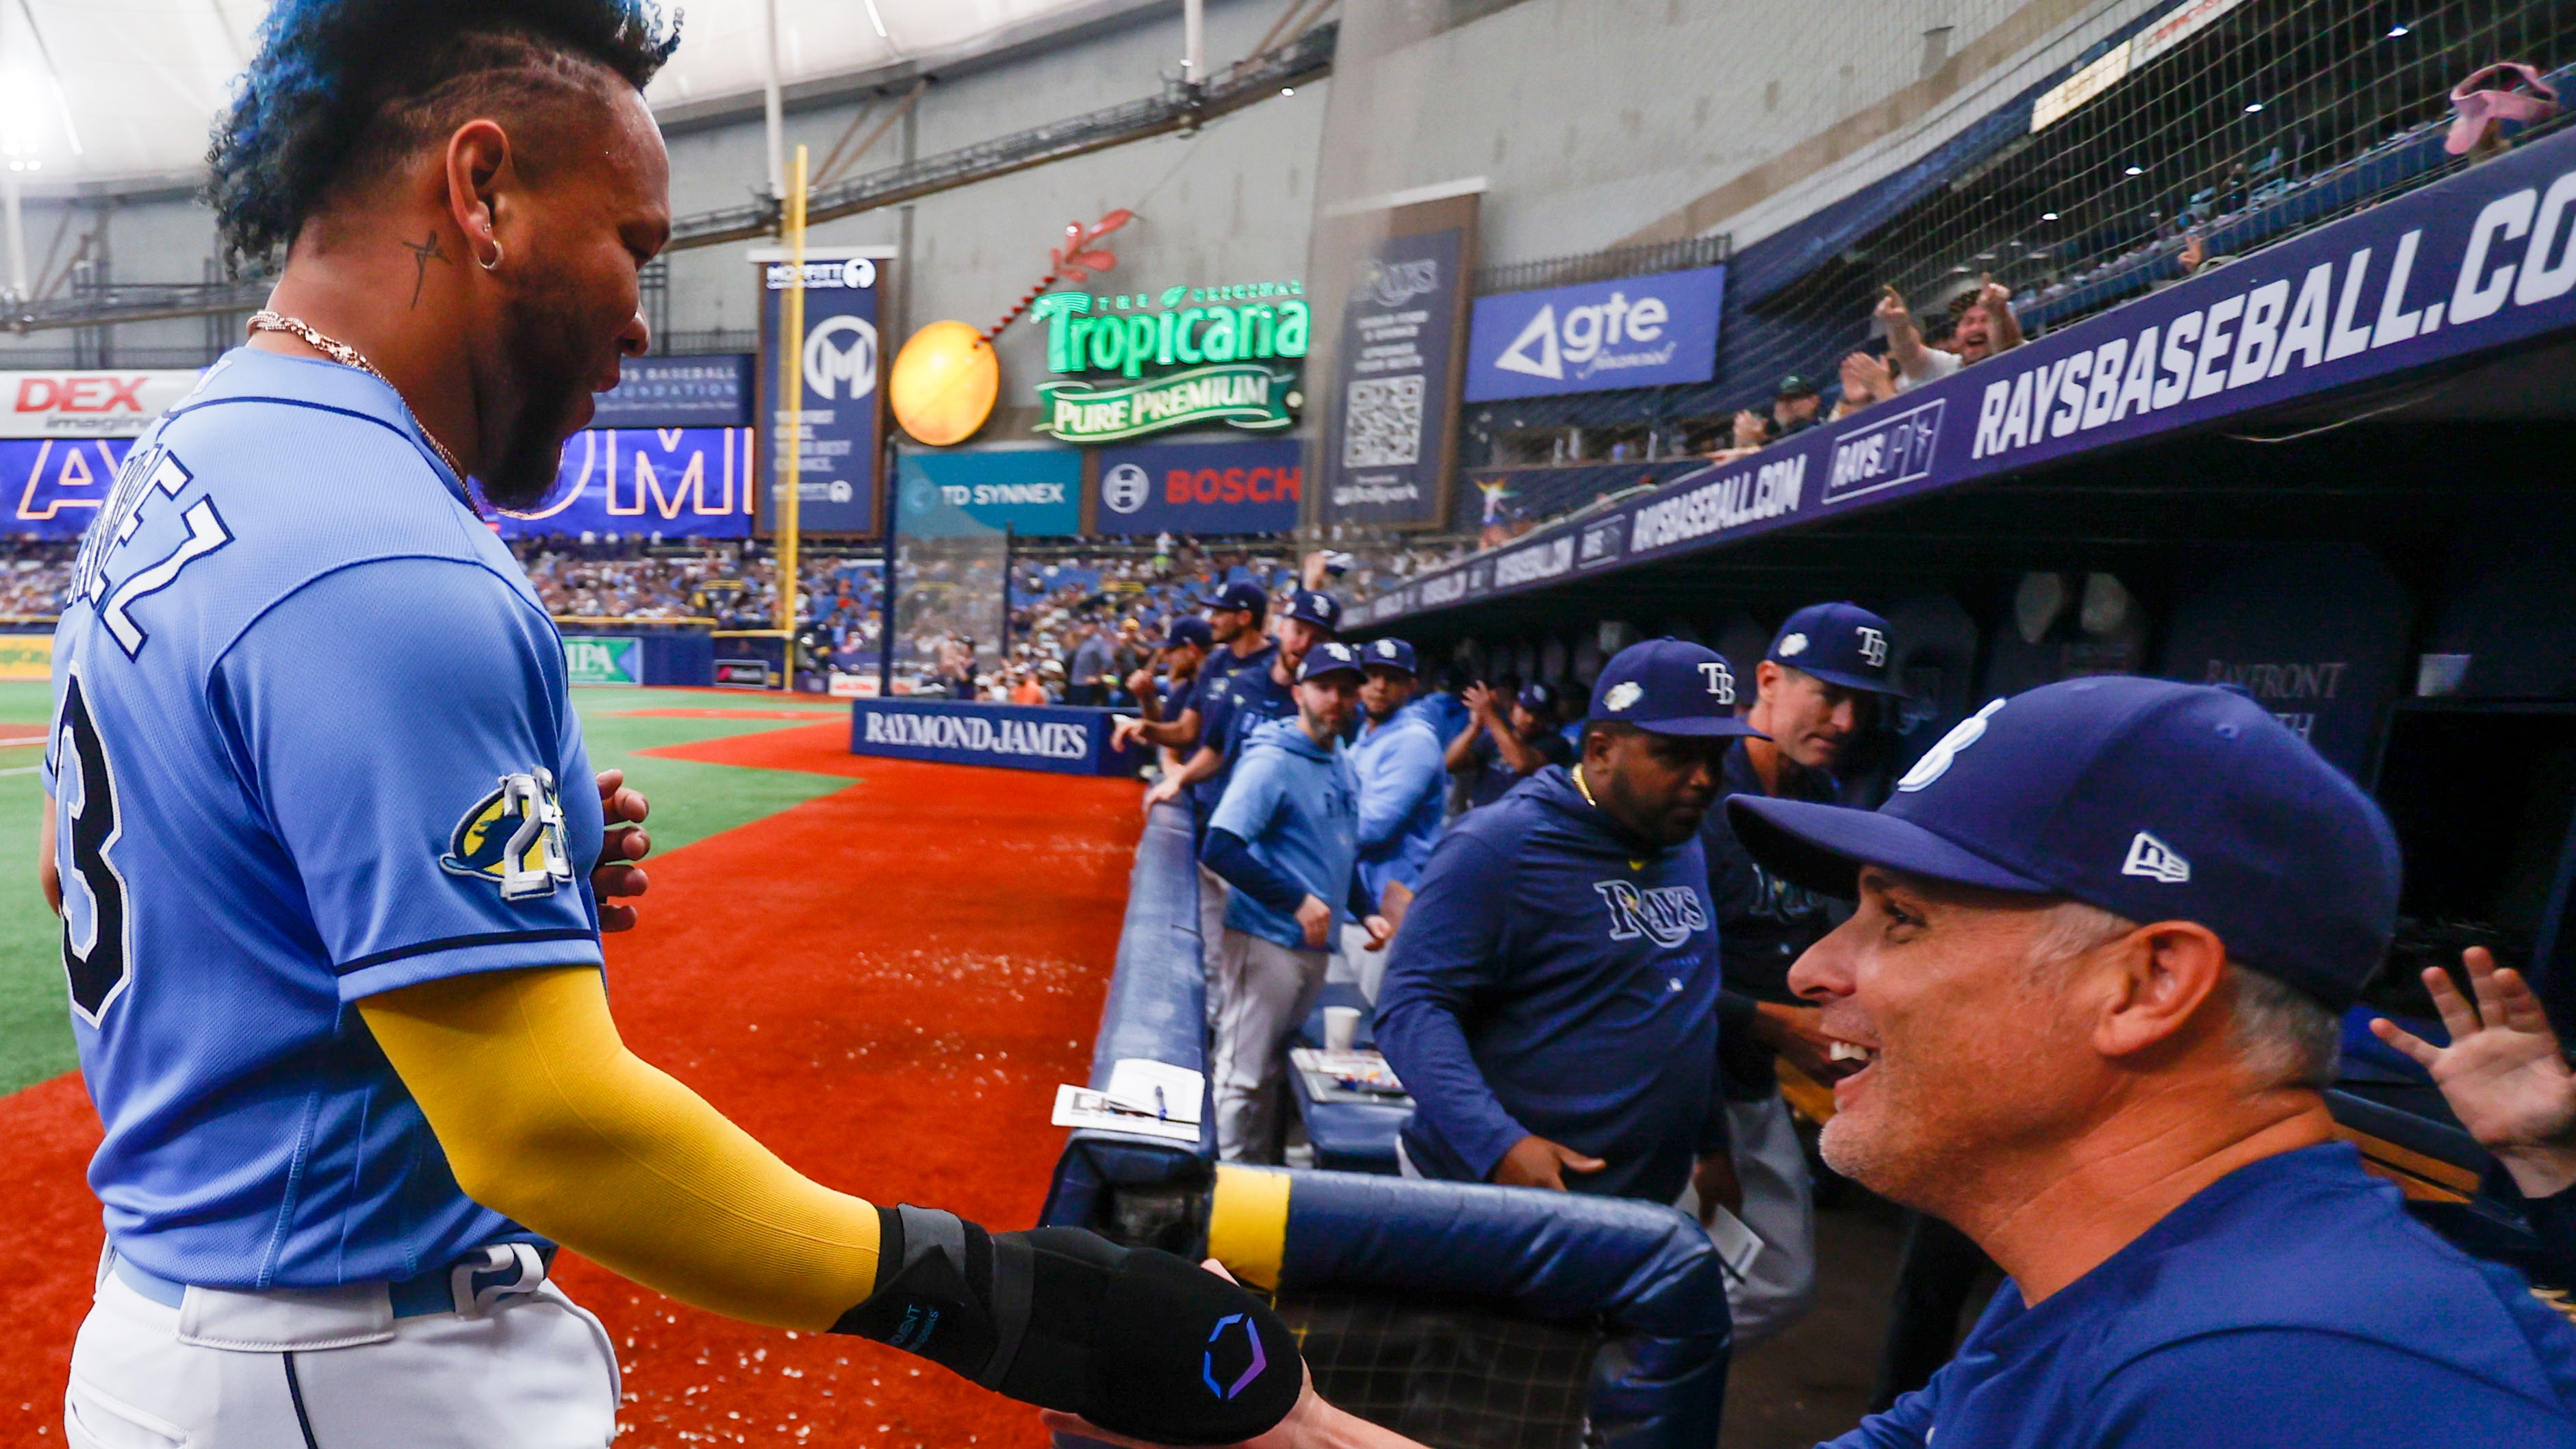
1873,645
1721,680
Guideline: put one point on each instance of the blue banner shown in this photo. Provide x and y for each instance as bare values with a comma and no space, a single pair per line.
1201,488
1036,492
1056,738
837,488
709,391
1634,332
677,482
55,484
2472,265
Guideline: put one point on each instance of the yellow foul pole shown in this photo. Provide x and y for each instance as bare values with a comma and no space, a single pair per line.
794,383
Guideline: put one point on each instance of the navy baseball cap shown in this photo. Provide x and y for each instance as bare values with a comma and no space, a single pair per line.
1329,657
1242,594
2149,799
1190,629
1316,609
1841,644
1388,654
1669,687
1536,696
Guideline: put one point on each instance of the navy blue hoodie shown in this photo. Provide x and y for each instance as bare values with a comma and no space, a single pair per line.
1554,978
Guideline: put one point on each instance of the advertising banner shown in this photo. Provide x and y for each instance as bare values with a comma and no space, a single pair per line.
1386,453
839,431
26,656
1035,492
597,659
1060,739
54,486
1187,357
1635,332
2475,264
88,404
713,390
677,482
1200,488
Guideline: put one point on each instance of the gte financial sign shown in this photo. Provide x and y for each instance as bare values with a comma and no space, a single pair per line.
1191,357
1635,332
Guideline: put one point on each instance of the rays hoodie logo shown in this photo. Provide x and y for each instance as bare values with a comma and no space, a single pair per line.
1666,914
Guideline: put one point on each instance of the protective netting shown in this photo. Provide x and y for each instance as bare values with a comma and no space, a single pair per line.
948,612
1449,1375
2120,150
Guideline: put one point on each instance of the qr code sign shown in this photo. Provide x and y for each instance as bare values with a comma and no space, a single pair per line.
1382,422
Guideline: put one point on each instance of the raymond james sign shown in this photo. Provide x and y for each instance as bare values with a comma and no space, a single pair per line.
1235,348
1020,737
2477,263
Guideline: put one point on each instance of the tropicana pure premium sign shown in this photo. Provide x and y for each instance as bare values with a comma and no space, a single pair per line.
1191,357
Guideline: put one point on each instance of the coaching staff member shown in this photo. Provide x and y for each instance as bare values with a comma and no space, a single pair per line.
2106,930
334,958
1403,790
1816,690
1552,999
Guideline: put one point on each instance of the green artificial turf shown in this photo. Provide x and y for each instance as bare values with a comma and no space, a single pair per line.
691,801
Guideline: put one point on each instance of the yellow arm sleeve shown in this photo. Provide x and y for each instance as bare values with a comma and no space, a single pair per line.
547,1118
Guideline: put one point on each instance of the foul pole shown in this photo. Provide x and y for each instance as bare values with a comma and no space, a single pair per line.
794,357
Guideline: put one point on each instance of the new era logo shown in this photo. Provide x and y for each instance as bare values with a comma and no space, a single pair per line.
2156,860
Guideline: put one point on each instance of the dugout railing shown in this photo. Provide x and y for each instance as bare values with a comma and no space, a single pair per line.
1462,1315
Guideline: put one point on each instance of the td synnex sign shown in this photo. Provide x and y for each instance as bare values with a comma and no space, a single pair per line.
1635,332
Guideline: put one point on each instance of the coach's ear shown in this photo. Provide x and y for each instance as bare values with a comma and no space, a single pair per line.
2153,984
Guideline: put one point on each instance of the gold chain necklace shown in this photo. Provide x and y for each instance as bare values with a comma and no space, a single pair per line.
347,356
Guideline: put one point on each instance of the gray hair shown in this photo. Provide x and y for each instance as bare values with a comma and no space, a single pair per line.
2283,1037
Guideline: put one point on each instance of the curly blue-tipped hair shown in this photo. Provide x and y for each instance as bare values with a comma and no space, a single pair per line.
341,89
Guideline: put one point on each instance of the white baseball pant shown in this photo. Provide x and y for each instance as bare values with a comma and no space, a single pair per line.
529,1369
1267,990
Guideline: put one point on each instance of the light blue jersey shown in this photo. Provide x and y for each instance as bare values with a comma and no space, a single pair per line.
311,742
1404,789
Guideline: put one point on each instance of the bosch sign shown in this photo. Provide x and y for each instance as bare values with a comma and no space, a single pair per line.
87,404
1201,488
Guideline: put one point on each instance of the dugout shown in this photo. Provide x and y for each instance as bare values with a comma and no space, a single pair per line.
2379,545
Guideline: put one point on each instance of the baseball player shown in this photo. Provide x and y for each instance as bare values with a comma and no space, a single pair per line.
1815,692
1552,1001
1285,836
1506,742
1403,785
332,864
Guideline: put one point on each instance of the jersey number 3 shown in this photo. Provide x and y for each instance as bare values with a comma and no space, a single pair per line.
94,907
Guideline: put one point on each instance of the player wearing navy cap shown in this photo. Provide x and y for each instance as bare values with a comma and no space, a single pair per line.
1552,999
1402,785
333,953
2105,932
1285,836
1163,683
1814,692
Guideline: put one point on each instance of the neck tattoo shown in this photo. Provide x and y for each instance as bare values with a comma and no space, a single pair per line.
421,253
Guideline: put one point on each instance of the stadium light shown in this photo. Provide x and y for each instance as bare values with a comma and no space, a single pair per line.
2252,107
2395,31
2048,216
2137,171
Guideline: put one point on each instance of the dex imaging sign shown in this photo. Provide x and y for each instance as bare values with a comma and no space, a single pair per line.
1634,332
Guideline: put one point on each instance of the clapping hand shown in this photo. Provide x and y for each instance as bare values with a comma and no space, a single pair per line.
2503,1073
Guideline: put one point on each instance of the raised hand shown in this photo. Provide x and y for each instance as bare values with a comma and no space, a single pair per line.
2503,1072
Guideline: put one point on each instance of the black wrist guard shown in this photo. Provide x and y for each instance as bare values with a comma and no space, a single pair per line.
1135,1340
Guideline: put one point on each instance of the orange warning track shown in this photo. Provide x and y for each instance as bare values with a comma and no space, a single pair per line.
883,984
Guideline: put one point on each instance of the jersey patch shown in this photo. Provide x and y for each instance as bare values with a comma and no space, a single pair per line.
514,836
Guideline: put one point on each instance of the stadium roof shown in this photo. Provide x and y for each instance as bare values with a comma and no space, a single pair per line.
120,92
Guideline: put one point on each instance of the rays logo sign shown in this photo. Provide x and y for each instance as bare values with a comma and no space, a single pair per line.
514,837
